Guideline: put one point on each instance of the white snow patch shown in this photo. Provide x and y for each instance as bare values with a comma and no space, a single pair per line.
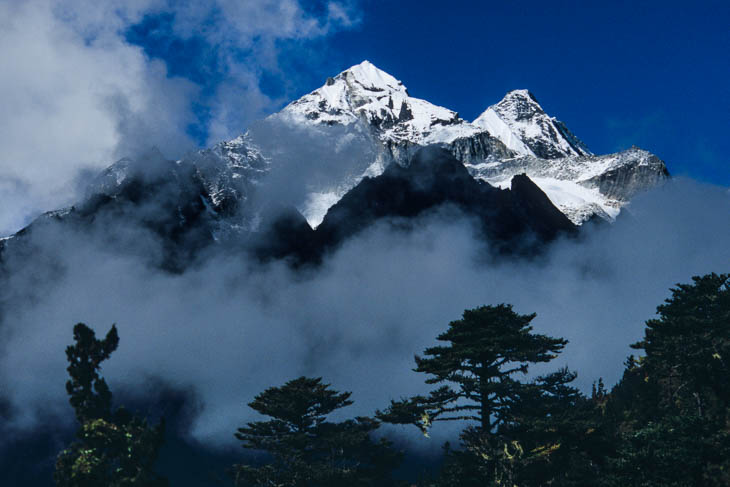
497,127
575,201
372,77
518,116
317,204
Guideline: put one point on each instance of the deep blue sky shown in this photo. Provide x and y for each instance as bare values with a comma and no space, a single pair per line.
654,74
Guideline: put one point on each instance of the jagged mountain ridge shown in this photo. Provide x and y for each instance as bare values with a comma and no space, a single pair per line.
366,93
582,186
511,137
165,205
434,177
363,103
155,208
514,133
514,221
521,124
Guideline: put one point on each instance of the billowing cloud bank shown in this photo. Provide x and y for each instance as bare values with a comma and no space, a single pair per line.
77,94
229,328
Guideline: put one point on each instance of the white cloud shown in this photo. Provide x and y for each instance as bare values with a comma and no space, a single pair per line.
68,103
252,27
76,95
228,328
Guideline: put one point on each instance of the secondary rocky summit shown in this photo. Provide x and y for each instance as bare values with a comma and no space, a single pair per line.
511,137
322,145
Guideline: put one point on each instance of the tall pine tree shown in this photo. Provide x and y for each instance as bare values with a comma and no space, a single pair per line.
486,351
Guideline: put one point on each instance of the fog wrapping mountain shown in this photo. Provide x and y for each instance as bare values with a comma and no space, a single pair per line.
325,145
512,137
433,178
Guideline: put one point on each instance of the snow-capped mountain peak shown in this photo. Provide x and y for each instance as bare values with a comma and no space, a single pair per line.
370,78
513,134
363,119
519,105
523,126
366,93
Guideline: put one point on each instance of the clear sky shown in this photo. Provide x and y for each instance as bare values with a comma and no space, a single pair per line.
654,74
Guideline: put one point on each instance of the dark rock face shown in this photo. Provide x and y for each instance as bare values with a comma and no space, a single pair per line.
401,152
405,112
543,217
512,221
517,221
172,203
624,182
474,149
542,148
284,235
479,148
572,139
173,210
159,201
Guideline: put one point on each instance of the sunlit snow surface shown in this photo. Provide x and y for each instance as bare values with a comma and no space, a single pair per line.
317,204
577,202
520,122
498,128
375,122
365,94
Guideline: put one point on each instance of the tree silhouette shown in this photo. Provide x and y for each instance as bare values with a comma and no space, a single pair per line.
517,424
113,449
88,392
670,412
305,448
486,349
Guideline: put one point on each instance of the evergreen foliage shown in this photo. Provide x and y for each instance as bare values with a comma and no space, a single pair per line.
113,449
523,430
88,392
559,430
688,348
307,450
670,412
486,348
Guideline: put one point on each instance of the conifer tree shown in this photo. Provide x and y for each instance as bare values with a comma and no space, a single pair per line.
113,448
486,349
560,431
514,424
307,450
671,410
88,392
688,348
